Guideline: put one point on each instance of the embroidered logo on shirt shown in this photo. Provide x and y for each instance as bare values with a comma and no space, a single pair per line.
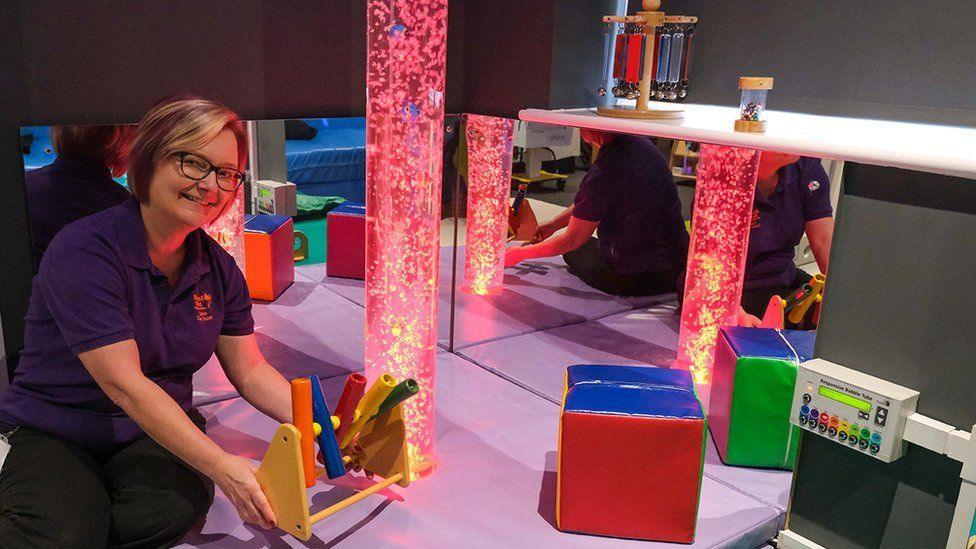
814,185
755,218
202,305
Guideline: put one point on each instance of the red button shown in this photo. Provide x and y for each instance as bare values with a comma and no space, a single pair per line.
824,417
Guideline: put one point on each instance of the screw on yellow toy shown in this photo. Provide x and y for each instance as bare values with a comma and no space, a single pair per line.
794,308
374,440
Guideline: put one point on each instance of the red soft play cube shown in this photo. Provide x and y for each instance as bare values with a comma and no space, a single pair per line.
631,451
346,241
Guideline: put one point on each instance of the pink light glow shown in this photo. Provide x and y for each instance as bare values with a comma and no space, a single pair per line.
716,261
489,181
406,47
228,229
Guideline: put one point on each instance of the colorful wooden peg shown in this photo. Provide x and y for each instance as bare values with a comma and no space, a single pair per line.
327,440
301,413
368,406
345,410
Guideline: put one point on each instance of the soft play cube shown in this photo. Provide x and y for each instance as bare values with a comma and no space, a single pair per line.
346,241
269,257
631,451
752,395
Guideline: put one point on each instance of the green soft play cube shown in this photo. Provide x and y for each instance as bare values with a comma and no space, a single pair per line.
752,395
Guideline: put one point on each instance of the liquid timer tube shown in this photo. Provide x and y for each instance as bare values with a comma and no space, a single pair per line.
635,47
301,417
674,64
620,56
664,54
345,410
609,57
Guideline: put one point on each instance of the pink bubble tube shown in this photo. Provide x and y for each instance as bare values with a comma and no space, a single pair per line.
716,260
228,229
406,50
489,182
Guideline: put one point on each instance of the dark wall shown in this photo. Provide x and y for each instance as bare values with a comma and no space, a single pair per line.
893,59
897,307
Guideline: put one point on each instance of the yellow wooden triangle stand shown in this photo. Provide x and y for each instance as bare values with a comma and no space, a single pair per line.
384,452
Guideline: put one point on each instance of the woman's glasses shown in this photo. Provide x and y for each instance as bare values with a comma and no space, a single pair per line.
197,167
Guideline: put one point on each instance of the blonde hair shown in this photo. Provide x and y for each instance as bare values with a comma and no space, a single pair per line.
176,125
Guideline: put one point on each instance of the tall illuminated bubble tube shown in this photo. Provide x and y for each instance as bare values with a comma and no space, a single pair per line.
716,260
228,229
406,51
489,181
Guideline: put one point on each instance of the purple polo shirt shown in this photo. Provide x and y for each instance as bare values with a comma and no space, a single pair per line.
801,195
97,286
65,191
630,192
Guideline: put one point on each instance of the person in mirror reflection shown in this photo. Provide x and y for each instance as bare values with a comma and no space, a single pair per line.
105,446
79,181
628,197
792,197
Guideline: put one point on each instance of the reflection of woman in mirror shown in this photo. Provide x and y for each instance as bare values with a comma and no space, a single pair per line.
106,449
792,197
79,181
629,197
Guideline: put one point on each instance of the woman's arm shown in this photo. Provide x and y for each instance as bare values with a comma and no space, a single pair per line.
256,380
577,233
545,230
116,369
819,233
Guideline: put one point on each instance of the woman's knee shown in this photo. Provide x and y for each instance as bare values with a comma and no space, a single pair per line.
154,517
52,494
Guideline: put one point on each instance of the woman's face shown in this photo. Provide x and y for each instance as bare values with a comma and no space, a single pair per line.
194,203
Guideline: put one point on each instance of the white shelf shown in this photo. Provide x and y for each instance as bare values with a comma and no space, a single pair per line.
947,150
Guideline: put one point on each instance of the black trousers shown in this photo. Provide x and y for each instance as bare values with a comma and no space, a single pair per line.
756,300
55,494
586,263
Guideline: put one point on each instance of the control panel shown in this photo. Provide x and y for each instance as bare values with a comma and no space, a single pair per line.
860,411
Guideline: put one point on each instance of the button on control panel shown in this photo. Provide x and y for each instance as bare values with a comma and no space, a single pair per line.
859,411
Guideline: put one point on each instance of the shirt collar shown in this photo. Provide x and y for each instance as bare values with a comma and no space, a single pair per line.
130,232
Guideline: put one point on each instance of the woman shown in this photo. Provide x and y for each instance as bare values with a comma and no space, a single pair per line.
105,448
629,197
79,181
792,197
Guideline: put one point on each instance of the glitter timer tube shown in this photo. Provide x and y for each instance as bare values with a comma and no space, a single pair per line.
406,51
716,260
489,182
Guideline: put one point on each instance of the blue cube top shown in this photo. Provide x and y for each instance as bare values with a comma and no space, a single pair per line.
263,223
791,345
349,208
631,391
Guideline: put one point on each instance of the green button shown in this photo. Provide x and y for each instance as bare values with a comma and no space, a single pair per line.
865,433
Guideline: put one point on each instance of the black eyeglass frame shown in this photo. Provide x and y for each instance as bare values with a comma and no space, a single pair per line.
182,156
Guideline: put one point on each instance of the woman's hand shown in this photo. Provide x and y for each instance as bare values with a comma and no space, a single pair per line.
543,232
237,479
513,256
